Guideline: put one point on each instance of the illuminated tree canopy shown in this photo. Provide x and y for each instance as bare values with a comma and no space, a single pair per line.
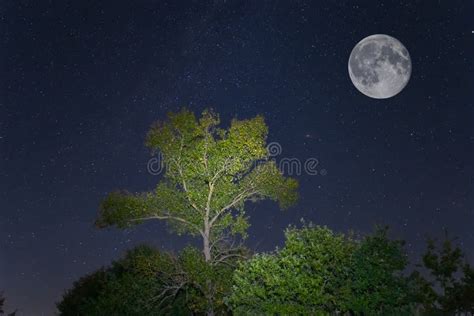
210,173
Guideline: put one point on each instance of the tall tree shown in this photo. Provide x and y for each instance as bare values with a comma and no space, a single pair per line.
210,173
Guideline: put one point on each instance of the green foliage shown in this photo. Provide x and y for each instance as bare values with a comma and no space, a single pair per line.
210,173
204,284
305,277
319,272
378,286
128,287
148,282
449,288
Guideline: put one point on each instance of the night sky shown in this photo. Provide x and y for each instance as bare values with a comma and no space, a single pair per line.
82,81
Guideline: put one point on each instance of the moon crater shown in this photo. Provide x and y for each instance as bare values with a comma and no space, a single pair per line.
379,66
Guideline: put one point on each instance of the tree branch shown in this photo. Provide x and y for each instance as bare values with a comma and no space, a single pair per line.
179,219
186,192
183,180
224,258
241,196
216,175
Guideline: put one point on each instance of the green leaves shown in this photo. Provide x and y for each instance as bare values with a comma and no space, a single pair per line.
130,286
379,286
120,208
319,272
209,175
302,278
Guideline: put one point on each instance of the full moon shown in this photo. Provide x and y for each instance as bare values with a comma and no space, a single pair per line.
380,66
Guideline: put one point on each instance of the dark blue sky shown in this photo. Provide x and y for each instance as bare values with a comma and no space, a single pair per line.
82,81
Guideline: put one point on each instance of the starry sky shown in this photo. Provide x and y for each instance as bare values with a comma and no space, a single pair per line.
82,81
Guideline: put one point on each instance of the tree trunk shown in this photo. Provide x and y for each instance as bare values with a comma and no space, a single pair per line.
210,312
207,256
206,246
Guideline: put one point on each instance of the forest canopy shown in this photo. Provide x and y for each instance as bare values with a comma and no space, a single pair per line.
211,175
